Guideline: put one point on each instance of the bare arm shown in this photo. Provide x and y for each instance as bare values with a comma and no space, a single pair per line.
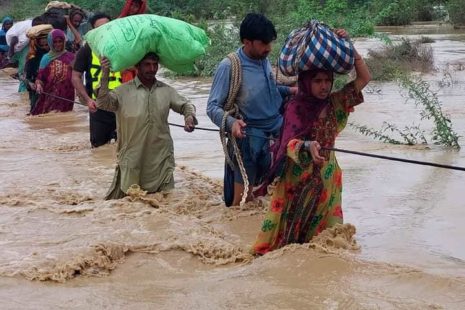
77,35
14,41
361,68
362,71
82,92
106,99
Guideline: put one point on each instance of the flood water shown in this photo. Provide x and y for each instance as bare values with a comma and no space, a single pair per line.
64,247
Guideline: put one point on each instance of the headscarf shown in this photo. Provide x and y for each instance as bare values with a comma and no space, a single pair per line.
300,115
3,31
53,54
35,50
6,19
127,7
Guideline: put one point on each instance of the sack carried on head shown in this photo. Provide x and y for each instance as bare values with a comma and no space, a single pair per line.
58,5
39,31
315,46
125,41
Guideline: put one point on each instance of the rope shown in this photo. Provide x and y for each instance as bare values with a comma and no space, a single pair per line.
64,99
232,109
417,162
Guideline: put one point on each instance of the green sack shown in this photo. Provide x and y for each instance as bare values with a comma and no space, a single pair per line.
125,41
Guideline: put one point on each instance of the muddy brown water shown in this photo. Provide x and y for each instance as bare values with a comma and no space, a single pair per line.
63,247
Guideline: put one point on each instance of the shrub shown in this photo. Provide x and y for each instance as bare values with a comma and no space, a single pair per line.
403,57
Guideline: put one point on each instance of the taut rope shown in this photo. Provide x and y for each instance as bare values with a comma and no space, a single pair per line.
417,162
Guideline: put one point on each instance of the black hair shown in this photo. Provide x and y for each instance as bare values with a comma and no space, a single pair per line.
77,11
97,16
150,55
257,27
38,20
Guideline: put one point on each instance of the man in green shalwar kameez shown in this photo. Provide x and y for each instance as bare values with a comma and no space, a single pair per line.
145,147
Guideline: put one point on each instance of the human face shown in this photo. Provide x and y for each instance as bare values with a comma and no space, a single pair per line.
101,21
7,25
58,44
257,49
321,85
134,8
42,43
76,20
147,69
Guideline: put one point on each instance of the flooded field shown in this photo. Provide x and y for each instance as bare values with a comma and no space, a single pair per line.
64,247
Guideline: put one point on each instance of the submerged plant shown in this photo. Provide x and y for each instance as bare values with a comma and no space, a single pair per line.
411,135
376,134
431,109
422,95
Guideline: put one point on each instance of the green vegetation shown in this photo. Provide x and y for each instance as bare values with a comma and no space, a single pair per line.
356,15
422,95
418,91
359,17
456,11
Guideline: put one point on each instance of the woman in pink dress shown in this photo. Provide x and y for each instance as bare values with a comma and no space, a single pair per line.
53,82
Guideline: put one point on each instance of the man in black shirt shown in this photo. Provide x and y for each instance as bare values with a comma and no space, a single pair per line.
102,123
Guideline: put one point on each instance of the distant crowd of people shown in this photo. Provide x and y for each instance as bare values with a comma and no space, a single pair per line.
133,107
54,63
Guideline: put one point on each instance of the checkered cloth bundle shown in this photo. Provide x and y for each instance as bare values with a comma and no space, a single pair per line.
315,46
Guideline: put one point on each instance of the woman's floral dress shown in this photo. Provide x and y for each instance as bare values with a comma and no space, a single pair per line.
307,197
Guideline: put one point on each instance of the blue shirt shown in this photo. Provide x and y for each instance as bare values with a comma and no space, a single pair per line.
259,98
3,44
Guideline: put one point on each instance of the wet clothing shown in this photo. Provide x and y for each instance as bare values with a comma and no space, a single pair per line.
307,197
102,124
55,76
260,102
31,70
145,148
20,59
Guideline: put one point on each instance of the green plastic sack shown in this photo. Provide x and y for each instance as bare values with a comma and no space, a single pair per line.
125,41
